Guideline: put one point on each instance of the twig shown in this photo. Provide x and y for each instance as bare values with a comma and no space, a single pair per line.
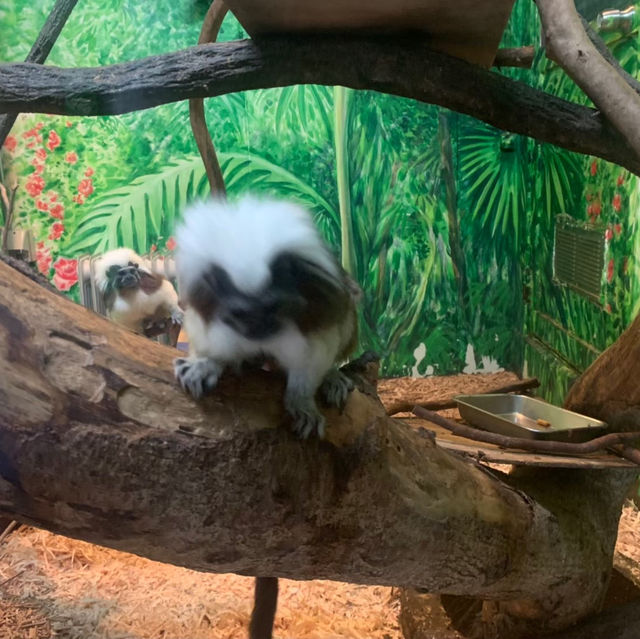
442,404
537,446
209,33
40,50
6,581
7,531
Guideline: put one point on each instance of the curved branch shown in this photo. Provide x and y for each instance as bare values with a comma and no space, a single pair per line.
210,28
569,45
403,67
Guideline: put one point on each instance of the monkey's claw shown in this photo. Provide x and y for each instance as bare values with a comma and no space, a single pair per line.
177,316
307,419
335,388
196,376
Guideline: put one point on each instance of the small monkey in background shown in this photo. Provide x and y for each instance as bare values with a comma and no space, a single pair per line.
258,280
134,296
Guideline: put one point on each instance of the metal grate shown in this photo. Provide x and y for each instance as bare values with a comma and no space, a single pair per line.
578,257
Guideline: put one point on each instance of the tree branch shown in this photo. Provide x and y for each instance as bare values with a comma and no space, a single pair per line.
515,57
402,67
210,28
569,45
98,443
41,49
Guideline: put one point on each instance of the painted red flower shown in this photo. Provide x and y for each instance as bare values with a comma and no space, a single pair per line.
57,211
597,209
66,273
608,308
608,234
54,140
78,199
171,244
89,172
617,228
69,123
85,187
39,126
40,155
153,248
620,181
34,185
57,229
617,202
10,143
39,168
52,195
71,157
594,167
41,205
610,270
43,258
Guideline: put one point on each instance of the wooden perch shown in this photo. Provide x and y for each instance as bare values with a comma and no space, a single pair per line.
568,44
405,67
515,57
98,443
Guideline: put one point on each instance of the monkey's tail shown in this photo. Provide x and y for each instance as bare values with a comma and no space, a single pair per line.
264,608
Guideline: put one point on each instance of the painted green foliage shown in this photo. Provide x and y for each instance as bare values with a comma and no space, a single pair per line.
441,218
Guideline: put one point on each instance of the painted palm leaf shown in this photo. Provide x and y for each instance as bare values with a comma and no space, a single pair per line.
145,211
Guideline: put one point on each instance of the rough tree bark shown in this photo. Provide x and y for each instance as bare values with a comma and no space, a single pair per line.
405,67
569,45
98,443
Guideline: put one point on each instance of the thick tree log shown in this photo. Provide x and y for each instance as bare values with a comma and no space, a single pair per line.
405,67
616,400
98,443
569,45
515,57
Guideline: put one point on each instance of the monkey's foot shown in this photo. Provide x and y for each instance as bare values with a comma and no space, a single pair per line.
197,375
335,388
306,416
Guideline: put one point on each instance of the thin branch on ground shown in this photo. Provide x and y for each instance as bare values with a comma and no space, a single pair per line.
536,446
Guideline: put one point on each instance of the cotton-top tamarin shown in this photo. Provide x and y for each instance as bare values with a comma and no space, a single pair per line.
134,296
259,281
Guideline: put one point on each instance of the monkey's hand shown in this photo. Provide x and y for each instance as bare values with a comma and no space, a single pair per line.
197,375
299,402
335,388
177,316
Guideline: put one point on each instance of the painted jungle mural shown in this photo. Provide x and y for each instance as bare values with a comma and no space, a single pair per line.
447,223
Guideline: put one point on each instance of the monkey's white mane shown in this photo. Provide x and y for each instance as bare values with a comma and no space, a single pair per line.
243,238
121,257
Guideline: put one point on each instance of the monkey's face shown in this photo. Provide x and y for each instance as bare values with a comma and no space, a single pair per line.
124,277
256,315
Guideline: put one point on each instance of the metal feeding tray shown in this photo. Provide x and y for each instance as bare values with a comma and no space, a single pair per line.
522,416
